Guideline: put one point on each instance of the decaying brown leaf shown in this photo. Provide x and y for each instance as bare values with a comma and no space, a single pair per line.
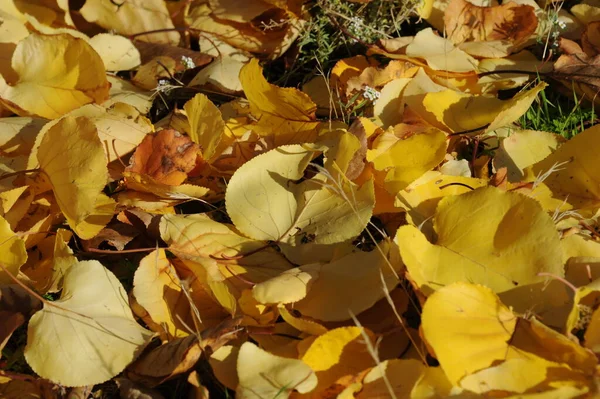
166,156
465,21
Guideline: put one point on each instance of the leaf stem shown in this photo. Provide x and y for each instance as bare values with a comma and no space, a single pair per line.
7,175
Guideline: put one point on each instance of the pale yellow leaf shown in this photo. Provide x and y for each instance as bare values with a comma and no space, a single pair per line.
133,16
117,52
263,375
93,317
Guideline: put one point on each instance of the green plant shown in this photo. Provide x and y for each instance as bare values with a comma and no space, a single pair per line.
339,29
556,113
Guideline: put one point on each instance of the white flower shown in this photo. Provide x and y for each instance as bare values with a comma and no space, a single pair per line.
371,94
187,62
164,86
356,24
562,24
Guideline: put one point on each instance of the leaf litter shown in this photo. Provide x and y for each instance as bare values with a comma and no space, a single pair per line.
170,219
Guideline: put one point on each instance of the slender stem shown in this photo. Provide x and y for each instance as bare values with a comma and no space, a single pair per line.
456,184
7,175
469,131
123,251
474,157
562,280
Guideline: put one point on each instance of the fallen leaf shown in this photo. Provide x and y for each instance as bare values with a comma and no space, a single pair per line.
166,156
51,92
524,148
579,71
267,182
133,17
262,374
513,22
78,180
91,316
572,180
117,52
445,314
287,113
439,53
207,128
522,242
337,353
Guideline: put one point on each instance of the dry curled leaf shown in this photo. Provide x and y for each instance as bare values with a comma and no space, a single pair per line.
166,156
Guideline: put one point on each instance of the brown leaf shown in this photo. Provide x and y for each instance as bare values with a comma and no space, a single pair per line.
180,355
511,21
166,361
579,71
117,235
166,156
590,40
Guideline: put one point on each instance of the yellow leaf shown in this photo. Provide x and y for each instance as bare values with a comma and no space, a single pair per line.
117,52
388,107
104,210
423,195
49,89
352,283
207,128
523,148
440,53
121,127
207,245
263,375
407,159
516,107
459,111
78,179
301,323
12,252
222,72
285,114
337,353
467,327
157,289
133,16
307,211
46,274
93,317
574,181
586,13
285,102
512,375
326,351
487,236
289,287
